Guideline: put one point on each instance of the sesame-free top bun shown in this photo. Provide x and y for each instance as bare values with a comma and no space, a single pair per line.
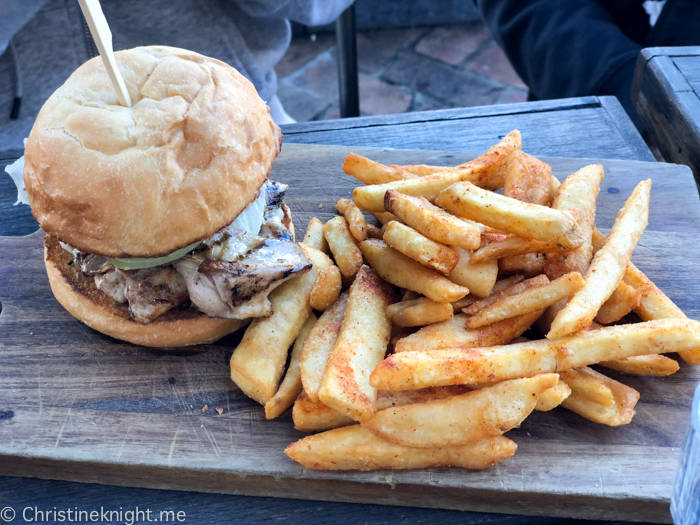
173,169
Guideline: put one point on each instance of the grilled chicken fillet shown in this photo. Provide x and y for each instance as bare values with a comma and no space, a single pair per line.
239,290
227,276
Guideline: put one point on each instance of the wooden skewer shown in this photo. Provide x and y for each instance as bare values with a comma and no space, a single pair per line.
92,11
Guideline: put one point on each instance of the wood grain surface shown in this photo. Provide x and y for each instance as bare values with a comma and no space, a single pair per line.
570,127
666,95
79,406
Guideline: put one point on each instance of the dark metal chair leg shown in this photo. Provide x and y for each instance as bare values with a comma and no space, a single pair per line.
348,84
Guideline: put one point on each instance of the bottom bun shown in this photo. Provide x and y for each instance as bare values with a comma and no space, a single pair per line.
85,302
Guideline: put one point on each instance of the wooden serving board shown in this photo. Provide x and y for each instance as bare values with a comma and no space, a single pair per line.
77,405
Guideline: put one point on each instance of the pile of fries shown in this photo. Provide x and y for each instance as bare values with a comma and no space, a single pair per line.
417,358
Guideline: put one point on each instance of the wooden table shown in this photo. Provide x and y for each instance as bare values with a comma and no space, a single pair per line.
666,94
590,127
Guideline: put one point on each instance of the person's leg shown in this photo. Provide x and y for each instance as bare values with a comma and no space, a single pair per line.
565,48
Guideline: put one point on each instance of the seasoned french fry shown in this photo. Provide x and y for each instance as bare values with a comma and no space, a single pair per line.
374,232
582,400
371,198
446,334
493,237
511,216
460,420
514,245
487,171
310,416
622,301
654,303
587,383
544,323
370,172
645,365
527,179
553,397
529,264
486,229
258,361
469,366
319,346
462,303
431,221
290,388
397,333
530,300
314,416
314,236
326,288
347,255
404,272
507,282
355,218
385,217
409,295
577,194
479,278
419,248
421,169
410,397
518,286
453,334
360,346
553,189
608,266
419,312
354,448
520,339
523,182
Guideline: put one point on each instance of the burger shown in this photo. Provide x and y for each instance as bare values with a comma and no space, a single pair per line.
162,228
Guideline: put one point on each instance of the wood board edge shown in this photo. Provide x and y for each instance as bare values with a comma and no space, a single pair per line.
345,491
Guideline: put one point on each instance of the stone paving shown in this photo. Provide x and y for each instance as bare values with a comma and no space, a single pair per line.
411,69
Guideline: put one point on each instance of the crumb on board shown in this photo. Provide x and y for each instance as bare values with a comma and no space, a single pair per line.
219,410
205,409
320,206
